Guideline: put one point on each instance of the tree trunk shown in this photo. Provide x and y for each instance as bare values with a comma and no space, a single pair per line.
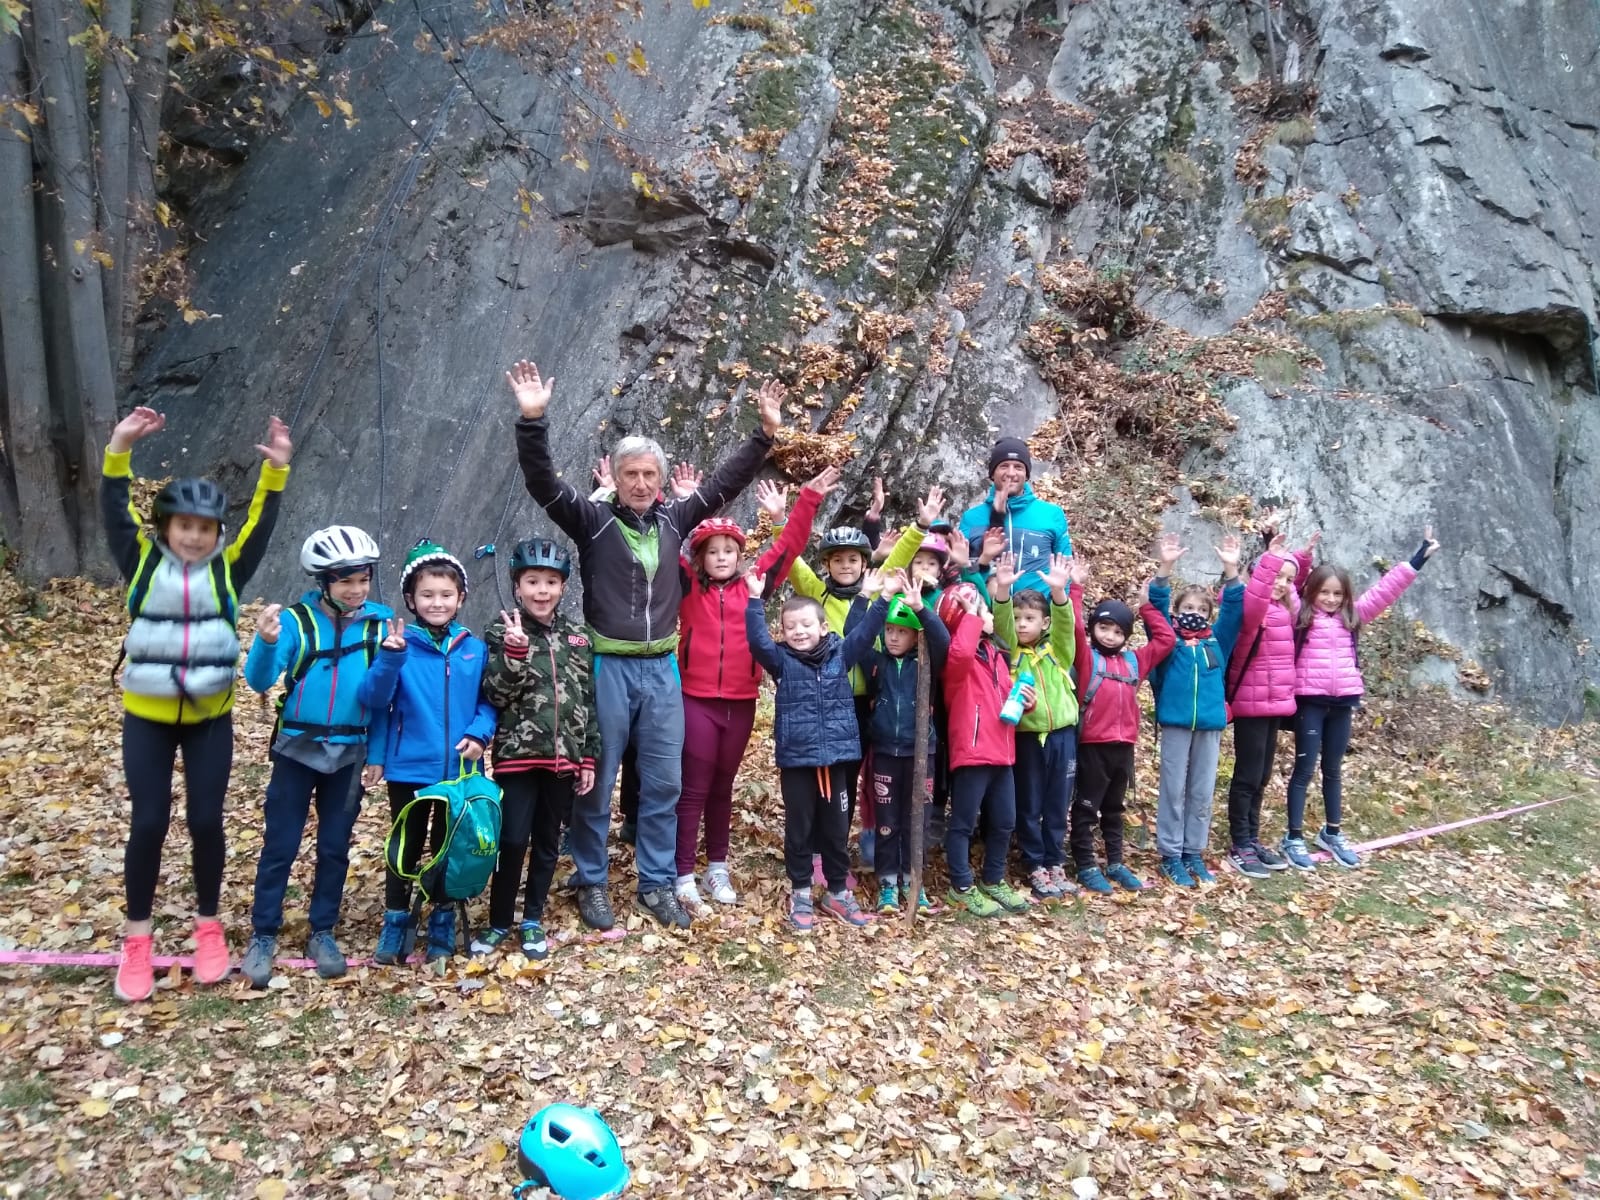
116,122
149,84
39,528
919,775
76,272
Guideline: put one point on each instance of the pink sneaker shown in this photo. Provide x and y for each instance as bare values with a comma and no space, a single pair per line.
210,951
136,978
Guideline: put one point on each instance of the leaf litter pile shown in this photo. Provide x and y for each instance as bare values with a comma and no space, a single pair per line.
1429,1026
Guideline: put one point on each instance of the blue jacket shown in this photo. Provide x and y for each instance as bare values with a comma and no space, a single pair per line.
435,703
1035,529
1190,683
338,689
815,721
892,684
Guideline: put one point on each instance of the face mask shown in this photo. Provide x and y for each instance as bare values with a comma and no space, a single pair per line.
1189,622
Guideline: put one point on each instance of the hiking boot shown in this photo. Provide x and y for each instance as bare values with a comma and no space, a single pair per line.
1042,885
210,951
534,943
661,904
802,915
1335,845
486,942
974,900
689,897
441,933
889,898
718,885
1093,879
594,907
1175,873
392,938
629,832
1268,857
136,976
1006,896
257,964
923,907
1294,849
1119,874
1196,866
324,952
1063,885
1247,862
843,907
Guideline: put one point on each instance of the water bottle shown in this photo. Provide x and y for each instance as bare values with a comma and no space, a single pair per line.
1011,711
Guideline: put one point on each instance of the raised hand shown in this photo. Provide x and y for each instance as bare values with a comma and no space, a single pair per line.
886,542
138,424
602,474
994,544
1229,552
1169,550
928,511
1279,545
875,509
773,499
756,582
872,583
515,637
1144,594
1005,571
685,481
396,639
268,624
1079,570
972,604
897,582
769,404
470,748
277,449
1059,573
1311,543
960,552
532,391
828,481
1429,546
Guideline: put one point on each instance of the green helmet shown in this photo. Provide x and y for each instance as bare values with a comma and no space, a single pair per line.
902,614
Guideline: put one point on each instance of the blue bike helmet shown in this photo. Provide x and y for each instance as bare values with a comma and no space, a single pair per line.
539,552
573,1152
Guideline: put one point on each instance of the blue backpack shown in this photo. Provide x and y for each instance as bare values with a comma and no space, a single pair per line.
460,869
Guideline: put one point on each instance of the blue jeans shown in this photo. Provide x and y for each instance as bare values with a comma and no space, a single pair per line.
989,790
1045,773
1320,730
289,793
638,701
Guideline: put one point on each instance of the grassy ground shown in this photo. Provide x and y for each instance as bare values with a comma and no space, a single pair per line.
1427,1026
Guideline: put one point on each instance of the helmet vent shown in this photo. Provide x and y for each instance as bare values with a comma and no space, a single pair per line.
594,1157
559,1133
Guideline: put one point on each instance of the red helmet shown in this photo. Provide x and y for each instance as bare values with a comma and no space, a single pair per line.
952,605
714,527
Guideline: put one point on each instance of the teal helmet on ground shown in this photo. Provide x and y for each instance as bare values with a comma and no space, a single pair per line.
573,1152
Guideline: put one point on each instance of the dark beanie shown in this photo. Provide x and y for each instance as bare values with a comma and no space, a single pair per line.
1010,449
1115,611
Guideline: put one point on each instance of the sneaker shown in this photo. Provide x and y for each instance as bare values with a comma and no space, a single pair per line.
594,906
1174,872
688,896
1118,873
330,961
1006,896
1247,862
974,900
1196,866
483,943
392,940
661,904
210,951
923,906
889,898
1294,849
1268,857
136,977
802,915
629,832
441,933
1063,885
719,885
534,944
844,908
1042,885
257,964
1335,845
1093,879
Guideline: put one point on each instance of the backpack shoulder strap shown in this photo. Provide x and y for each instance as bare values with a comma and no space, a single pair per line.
1233,679
305,623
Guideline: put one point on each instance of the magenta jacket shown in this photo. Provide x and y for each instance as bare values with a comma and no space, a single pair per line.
1261,676
1327,665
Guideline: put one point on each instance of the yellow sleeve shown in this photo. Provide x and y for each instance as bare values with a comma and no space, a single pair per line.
905,548
804,580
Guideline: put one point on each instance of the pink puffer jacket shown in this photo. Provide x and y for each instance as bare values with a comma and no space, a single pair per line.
1326,665
1262,682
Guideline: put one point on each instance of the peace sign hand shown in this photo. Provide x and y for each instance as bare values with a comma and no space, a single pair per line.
516,638
396,639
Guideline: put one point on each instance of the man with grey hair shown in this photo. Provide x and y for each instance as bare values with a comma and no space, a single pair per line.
628,552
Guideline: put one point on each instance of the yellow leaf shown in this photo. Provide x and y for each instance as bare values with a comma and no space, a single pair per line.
271,1189
345,107
1409,1188
106,261
496,1151
94,1108
1091,1051
287,67
700,3
611,57
79,246
163,213
636,62
581,163
323,106
191,315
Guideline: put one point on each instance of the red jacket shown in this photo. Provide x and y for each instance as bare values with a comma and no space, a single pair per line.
1108,711
976,684
714,656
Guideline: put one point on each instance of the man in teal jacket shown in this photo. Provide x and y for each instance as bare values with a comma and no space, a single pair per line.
1034,529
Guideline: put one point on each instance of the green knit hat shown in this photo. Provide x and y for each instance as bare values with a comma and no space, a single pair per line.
430,554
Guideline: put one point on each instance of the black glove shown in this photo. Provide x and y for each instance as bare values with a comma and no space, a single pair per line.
1420,557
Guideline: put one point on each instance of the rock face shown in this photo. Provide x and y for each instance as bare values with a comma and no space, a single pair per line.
861,200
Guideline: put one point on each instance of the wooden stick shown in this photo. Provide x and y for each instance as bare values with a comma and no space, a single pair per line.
919,775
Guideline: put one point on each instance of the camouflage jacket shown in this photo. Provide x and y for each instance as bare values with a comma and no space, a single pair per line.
545,697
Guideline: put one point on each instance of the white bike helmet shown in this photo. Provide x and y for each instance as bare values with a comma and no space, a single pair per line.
338,548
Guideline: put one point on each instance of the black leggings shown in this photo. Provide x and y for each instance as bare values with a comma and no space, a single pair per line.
534,806
1255,745
149,750
425,822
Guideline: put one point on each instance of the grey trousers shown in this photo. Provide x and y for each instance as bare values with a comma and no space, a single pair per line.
1188,780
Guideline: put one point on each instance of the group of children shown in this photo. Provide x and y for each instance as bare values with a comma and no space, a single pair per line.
1035,709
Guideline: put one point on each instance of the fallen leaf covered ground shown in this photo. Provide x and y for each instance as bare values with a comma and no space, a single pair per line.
1428,1026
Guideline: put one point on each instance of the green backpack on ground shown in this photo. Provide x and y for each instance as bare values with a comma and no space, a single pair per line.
460,869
